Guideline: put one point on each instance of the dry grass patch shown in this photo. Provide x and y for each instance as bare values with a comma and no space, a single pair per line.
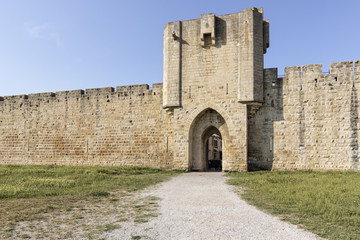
48,202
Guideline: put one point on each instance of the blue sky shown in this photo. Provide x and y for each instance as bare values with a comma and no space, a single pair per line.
55,45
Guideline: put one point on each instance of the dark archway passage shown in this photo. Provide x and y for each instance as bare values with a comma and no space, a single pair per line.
212,150
207,142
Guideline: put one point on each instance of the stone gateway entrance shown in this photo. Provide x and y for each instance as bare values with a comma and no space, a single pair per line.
205,125
214,84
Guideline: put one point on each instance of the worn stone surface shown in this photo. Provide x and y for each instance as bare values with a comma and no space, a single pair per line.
214,82
126,127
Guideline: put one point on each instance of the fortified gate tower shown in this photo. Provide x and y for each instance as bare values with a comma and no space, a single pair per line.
217,109
213,82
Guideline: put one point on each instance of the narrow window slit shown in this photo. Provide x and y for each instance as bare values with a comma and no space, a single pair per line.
353,73
301,82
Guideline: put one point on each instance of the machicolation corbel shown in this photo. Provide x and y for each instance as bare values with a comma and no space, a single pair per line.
207,27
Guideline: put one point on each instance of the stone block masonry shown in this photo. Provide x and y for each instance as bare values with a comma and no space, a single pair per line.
320,117
214,83
309,120
96,127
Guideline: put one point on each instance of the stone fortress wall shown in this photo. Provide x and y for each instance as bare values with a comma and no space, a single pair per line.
309,119
96,127
214,82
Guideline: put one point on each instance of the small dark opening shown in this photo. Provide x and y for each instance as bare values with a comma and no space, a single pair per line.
273,84
315,81
335,79
207,40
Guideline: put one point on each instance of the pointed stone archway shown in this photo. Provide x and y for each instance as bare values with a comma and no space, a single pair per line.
207,123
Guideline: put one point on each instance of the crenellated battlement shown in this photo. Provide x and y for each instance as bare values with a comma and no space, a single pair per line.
41,96
309,76
96,92
341,67
133,91
69,94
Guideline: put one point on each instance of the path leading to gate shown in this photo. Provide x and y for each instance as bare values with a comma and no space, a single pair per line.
203,206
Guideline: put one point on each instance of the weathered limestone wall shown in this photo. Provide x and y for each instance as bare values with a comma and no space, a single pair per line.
324,115
220,58
312,117
252,46
261,123
126,127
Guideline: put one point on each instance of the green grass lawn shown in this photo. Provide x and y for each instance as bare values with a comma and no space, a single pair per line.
325,203
27,192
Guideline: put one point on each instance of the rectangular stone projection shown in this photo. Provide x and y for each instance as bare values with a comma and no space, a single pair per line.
252,46
207,29
172,65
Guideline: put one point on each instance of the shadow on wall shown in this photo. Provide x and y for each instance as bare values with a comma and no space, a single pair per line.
354,145
261,118
220,32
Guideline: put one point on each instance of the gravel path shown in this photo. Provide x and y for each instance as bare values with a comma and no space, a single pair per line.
202,206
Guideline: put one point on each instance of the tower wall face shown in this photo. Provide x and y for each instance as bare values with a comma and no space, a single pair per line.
216,50
214,81
217,64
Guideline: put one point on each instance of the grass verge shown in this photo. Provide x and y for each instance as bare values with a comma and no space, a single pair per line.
19,181
30,193
325,203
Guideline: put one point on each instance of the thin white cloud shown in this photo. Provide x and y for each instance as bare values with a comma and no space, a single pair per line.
36,31
43,32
